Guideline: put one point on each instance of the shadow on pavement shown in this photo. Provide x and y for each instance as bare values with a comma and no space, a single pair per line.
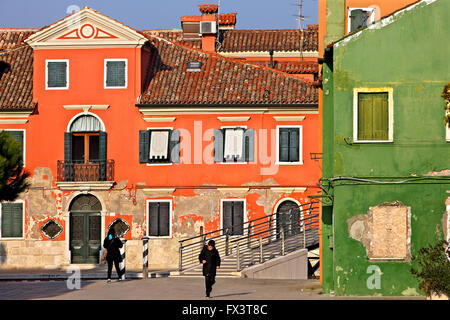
231,294
28,290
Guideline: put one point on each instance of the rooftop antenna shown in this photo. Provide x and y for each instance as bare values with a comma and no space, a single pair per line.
300,18
218,44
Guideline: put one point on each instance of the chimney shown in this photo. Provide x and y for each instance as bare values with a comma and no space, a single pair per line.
208,28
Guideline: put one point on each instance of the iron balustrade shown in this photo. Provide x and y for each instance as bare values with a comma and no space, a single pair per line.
96,170
263,238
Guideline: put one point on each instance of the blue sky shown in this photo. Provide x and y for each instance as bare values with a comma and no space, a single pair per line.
152,14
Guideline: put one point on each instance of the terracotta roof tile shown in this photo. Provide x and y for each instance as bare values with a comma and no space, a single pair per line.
305,67
265,40
220,81
10,38
16,85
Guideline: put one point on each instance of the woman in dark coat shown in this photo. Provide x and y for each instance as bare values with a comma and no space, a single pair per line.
210,259
112,243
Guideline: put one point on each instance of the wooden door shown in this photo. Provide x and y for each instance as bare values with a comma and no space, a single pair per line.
85,236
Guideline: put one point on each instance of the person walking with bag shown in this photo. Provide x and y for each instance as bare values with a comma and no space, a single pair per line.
210,258
112,244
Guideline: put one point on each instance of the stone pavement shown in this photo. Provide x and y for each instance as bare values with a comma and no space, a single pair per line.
168,288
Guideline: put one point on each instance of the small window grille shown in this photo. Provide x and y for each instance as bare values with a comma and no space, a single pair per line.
51,229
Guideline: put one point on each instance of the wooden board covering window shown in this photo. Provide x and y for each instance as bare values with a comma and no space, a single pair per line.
390,232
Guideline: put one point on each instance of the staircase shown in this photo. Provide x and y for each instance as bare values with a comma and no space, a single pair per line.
262,239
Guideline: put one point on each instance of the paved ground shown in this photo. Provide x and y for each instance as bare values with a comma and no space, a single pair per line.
167,288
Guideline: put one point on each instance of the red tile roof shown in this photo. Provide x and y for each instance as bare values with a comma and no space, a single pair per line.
221,80
265,40
10,38
305,67
16,85
208,8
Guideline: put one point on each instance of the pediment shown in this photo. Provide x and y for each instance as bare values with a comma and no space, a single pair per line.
86,28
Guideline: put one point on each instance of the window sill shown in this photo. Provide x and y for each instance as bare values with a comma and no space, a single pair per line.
57,88
162,237
85,186
373,141
7,239
159,164
288,163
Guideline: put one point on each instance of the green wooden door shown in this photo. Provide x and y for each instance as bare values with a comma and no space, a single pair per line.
85,236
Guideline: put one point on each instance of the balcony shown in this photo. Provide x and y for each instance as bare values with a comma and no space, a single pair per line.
78,175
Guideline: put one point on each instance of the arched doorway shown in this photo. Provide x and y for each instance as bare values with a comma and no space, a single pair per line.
85,229
288,218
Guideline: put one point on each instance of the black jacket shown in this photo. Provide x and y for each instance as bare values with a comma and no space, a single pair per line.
113,249
212,261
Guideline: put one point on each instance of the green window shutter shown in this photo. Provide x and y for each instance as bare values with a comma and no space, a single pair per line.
18,136
144,146
174,146
102,146
102,155
68,168
227,215
284,144
12,220
294,141
56,74
218,145
115,74
164,219
249,145
380,116
373,116
238,218
153,218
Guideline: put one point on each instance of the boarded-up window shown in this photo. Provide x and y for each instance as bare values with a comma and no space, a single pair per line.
116,74
233,217
57,75
391,232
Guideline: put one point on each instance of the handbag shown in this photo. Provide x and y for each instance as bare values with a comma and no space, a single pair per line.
103,257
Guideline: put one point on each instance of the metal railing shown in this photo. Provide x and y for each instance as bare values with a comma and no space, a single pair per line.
97,170
261,239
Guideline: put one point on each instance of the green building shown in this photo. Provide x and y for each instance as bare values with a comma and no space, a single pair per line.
386,174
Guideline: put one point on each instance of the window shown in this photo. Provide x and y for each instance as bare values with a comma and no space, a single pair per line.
359,18
194,66
159,146
233,145
115,73
57,74
19,136
289,143
373,115
11,219
233,216
159,218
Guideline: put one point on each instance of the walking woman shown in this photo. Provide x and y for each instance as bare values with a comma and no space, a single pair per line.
210,259
112,244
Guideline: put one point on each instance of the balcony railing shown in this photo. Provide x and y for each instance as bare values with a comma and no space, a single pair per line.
96,170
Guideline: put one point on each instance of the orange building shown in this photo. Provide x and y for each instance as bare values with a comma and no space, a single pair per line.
135,128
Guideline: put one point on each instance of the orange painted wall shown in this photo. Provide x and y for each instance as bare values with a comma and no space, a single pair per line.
45,129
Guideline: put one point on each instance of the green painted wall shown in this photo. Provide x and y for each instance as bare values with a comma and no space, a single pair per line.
410,55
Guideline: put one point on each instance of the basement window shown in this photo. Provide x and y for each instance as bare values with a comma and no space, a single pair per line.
194,66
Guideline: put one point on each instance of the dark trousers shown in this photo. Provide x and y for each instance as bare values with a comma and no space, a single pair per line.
209,281
116,264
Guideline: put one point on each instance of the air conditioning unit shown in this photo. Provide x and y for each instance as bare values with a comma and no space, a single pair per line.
208,27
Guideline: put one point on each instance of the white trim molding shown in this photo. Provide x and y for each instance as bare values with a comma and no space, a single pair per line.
86,107
289,118
85,113
160,119
390,92
230,119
